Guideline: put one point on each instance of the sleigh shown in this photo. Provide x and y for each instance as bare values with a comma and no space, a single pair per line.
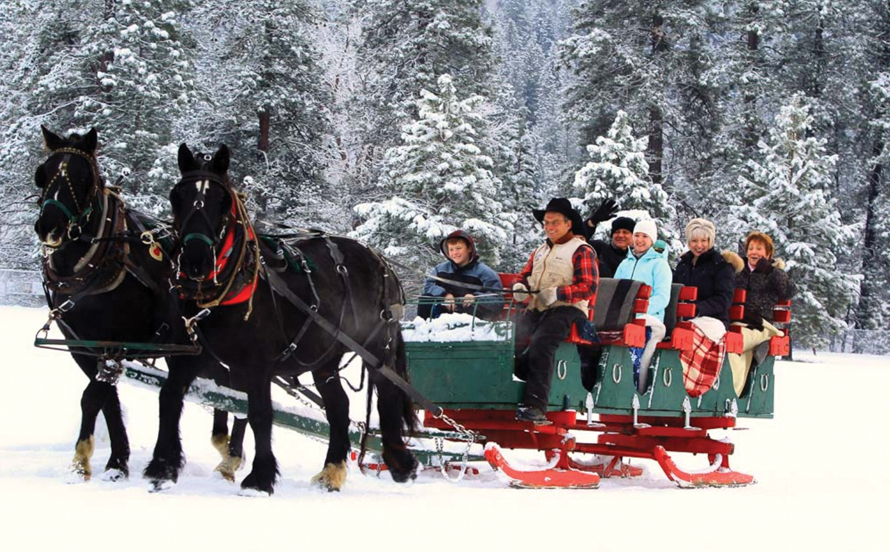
599,421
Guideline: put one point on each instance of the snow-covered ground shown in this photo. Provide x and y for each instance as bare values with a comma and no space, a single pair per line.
821,484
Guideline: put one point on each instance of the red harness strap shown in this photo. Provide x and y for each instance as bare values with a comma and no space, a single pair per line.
234,296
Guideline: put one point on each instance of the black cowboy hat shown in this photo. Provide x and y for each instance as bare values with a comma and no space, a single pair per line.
562,206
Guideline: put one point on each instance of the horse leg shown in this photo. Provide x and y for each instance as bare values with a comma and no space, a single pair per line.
117,467
91,402
167,459
219,436
264,474
336,403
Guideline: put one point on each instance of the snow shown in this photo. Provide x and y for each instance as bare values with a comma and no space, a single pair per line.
821,480
455,327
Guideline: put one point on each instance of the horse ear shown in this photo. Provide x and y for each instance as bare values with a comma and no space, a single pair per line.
221,160
51,140
186,159
91,140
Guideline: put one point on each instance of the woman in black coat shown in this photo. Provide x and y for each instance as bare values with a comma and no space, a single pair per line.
706,269
766,283
764,279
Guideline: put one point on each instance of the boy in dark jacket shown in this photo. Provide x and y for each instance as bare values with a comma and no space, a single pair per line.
462,267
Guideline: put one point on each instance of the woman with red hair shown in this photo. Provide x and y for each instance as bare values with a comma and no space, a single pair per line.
766,283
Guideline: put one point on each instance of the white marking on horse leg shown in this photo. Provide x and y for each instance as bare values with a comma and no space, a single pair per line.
80,465
229,464
332,477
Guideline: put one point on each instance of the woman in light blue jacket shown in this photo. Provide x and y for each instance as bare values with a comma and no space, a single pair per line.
646,265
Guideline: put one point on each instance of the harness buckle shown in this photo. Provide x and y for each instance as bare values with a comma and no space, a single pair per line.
66,306
74,231
342,270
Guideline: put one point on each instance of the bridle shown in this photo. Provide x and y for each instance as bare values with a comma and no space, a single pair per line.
202,180
232,240
81,217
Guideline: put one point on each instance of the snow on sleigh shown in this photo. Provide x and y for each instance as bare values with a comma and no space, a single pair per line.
599,419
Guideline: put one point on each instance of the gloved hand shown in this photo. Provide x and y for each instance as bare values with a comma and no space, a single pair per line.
604,212
547,297
520,292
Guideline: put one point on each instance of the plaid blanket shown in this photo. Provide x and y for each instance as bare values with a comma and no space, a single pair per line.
702,363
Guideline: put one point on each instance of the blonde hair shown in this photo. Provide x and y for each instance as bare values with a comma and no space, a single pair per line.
701,228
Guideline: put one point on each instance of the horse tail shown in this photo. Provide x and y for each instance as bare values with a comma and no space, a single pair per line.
409,417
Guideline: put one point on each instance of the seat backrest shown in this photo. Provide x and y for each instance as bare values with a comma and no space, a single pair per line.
670,312
615,300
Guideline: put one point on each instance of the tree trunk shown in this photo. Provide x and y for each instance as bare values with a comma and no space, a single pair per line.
868,310
655,148
751,132
263,140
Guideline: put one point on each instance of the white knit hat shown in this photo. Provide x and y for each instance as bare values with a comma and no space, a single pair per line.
647,227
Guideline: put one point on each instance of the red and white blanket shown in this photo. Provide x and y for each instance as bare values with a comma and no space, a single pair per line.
702,363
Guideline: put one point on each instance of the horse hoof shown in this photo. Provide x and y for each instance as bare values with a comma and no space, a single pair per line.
114,475
404,475
229,466
77,475
250,487
161,485
332,477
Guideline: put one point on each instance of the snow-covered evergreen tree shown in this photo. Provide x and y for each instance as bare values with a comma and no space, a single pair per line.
271,106
788,196
439,181
618,170
406,45
137,75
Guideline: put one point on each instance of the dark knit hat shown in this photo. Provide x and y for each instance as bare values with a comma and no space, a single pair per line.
623,223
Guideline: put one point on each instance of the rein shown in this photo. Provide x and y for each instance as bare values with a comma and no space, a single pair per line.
456,283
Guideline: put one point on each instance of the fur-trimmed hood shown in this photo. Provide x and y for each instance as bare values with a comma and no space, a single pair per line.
739,263
736,260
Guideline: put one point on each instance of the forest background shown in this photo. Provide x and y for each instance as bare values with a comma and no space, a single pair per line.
397,121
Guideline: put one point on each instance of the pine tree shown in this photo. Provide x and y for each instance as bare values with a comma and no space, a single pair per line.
618,170
873,309
269,104
406,45
788,196
439,180
139,78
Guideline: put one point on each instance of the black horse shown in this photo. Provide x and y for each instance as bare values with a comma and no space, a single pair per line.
258,328
105,283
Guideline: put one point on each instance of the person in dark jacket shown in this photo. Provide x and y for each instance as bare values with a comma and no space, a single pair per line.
766,283
463,266
705,268
764,279
610,254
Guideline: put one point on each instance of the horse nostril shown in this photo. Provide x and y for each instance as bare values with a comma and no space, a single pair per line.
52,240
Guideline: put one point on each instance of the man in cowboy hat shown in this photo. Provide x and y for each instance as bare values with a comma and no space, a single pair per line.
563,271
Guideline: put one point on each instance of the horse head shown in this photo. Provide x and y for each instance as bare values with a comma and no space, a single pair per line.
202,204
70,185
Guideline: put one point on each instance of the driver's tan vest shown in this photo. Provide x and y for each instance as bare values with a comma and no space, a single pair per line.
552,267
